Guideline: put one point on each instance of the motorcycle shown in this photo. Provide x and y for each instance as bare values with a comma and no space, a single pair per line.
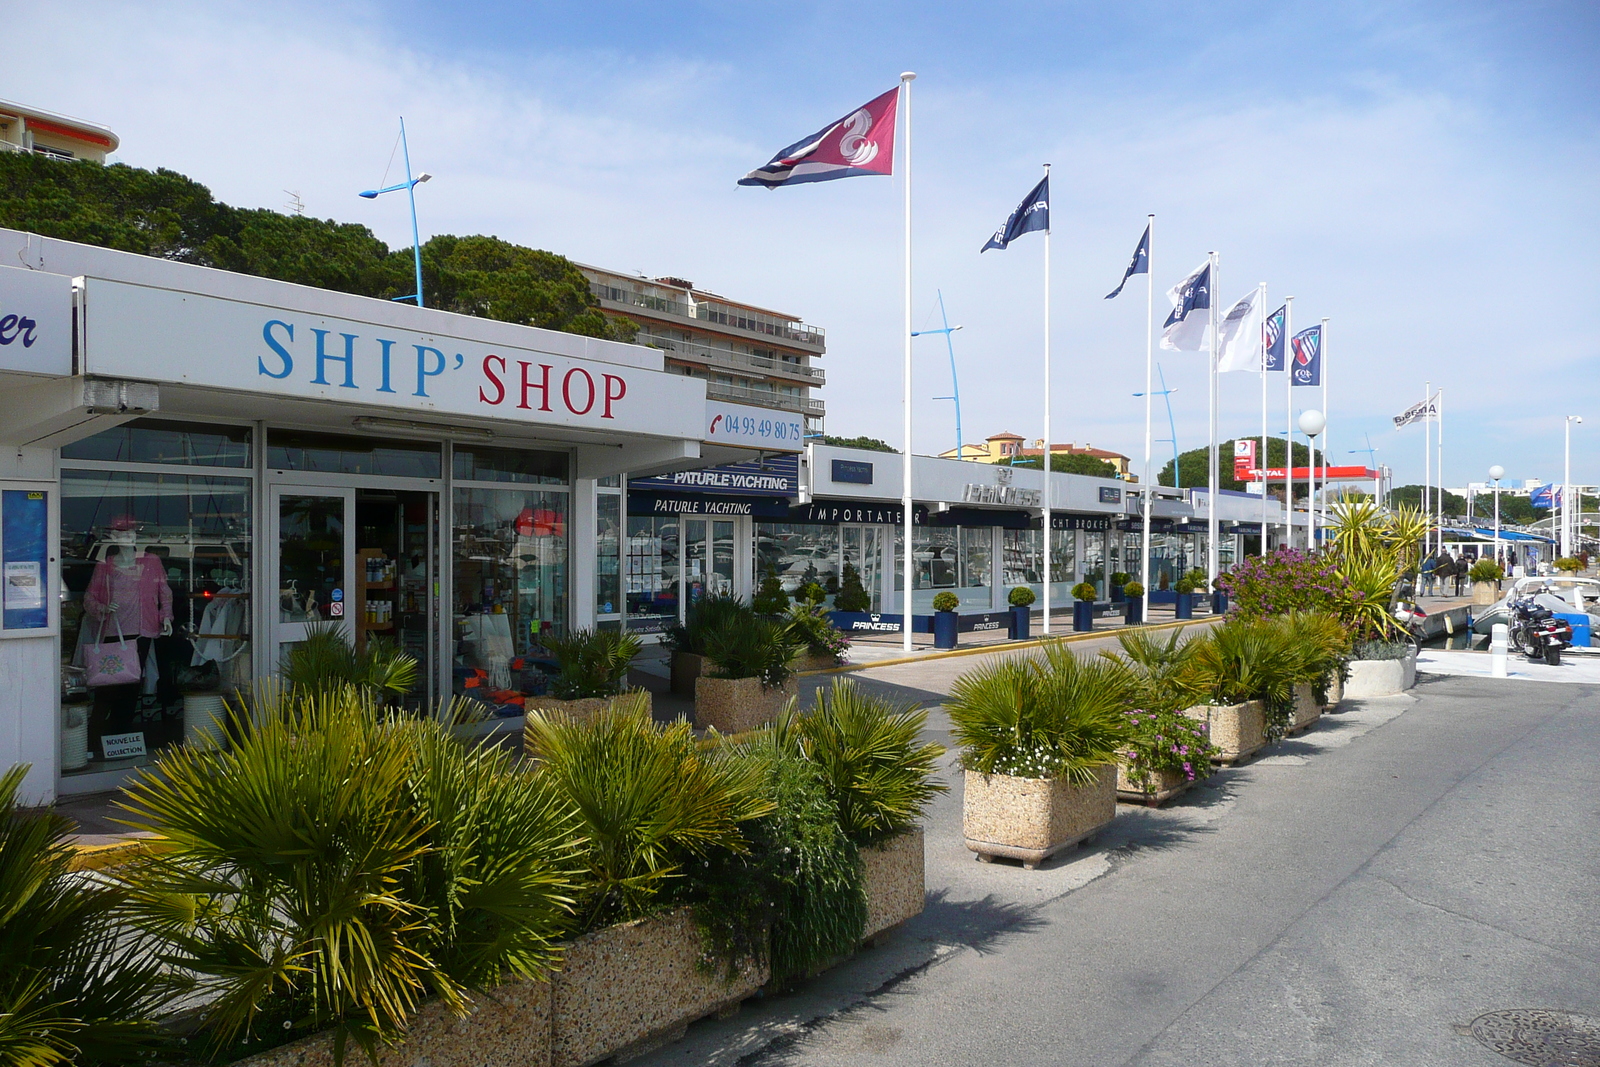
1537,632
1410,616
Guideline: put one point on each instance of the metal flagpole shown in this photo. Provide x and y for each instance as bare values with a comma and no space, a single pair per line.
1211,457
1149,358
1044,458
1325,450
1288,415
1427,464
905,492
1438,443
1261,464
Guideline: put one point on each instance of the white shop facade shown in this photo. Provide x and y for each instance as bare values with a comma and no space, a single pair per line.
198,466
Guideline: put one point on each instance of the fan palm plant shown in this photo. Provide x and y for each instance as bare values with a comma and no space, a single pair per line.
866,749
752,648
1249,659
713,611
75,983
594,663
1164,667
327,661
648,800
1050,715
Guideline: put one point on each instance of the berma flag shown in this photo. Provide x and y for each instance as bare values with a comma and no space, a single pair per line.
1241,336
1426,409
1275,324
1185,328
860,143
1032,214
1140,264
1307,369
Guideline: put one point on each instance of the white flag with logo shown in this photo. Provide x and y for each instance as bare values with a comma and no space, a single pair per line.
1427,409
1241,335
1187,329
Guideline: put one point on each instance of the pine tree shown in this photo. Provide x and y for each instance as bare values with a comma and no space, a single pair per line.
852,595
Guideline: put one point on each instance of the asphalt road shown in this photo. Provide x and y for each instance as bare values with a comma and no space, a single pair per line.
1358,896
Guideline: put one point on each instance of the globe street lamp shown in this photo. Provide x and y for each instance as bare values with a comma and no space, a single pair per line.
1566,489
410,186
1497,472
1312,423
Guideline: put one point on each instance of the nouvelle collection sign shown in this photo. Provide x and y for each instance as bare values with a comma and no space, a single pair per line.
35,322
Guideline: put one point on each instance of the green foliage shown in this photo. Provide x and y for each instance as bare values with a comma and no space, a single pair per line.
1411,496
771,599
1084,591
1486,570
76,985
711,612
1063,463
1050,715
1185,584
495,279
1133,590
946,601
1166,741
326,662
1320,643
1020,597
869,444
1568,565
1251,659
1192,466
1163,668
865,747
852,595
811,630
335,867
1121,578
648,799
811,593
594,663
752,648
1284,580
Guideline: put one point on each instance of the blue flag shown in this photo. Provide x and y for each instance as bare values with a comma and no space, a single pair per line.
1275,323
1032,214
1140,264
1545,496
1308,356
1184,330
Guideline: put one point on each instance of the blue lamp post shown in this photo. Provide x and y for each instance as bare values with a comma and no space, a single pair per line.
410,186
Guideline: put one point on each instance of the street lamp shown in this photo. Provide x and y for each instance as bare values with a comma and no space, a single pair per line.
410,186
1566,489
1497,472
1312,423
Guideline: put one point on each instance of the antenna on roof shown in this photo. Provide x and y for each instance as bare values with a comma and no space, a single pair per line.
295,206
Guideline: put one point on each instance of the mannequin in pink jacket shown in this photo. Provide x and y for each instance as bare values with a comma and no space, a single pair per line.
130,592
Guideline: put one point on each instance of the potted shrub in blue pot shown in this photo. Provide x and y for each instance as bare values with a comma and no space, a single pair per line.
1021,600
946,622
1184,587
1119,586
1083,595
1133,607
1219,596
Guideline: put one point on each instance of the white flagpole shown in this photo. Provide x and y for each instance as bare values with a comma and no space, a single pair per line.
905,492
1288,414
1211,457
1427,467
1325,422
1044,459
1149,384
1438,442
1261,463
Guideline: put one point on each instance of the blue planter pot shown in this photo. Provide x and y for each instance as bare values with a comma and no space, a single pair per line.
1185,605
1083,615
1019,623
1117,596
1219,602
945,626
1133,611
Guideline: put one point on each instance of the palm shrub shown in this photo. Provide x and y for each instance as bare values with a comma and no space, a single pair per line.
752,648
334,867
1568,565
648,800
711,612
1048,715
1163,669
593,663
865,747
1486,570
1250,659
1321,643
812,630
852,595
326,661
76,984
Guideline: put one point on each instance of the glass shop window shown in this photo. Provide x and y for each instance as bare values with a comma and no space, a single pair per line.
607,560
475,464
155,613
326,453
650,573
188,444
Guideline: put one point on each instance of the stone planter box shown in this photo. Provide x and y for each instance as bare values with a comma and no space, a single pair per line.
1380,677
896,882
1306,708
734,705
1168,784
629,988
1485,594
815,663
1335,691
1031,819
686,667
1239,730
584,708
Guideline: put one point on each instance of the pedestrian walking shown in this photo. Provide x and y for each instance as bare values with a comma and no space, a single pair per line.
1427,575
1460,573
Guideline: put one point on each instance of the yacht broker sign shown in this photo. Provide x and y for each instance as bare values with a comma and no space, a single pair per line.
161,335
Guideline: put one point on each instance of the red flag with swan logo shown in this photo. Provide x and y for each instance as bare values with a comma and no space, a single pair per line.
860,143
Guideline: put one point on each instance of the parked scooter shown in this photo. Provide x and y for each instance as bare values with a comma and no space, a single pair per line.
1537,632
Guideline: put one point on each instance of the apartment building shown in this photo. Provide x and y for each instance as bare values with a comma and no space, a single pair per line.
745,354
29,129
1005,447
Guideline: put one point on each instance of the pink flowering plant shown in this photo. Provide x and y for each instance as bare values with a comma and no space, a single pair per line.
1166,742
1284,581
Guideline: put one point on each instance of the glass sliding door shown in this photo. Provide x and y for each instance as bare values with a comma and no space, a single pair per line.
315,547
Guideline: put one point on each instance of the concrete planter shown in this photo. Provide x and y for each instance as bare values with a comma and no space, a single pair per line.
896,882
1380,677
1306,708
686,667
734,705
1335,691
1485,594
1167,784
584,708
632,987
809,662
1239,730
1031,819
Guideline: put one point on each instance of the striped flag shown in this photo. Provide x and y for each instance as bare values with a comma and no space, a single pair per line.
860,143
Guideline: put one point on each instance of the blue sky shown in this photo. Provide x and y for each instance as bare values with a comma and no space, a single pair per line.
1422,173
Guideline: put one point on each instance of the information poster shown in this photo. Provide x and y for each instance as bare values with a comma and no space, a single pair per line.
24,562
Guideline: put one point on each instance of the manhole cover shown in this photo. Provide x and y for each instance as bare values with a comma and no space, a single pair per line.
1539,1037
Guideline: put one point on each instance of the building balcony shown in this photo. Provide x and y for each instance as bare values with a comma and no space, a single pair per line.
764,398
741,321
740,361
